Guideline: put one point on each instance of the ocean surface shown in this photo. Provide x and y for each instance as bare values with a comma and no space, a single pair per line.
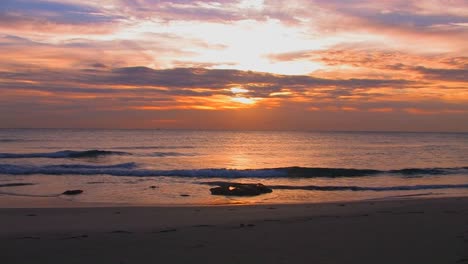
175,167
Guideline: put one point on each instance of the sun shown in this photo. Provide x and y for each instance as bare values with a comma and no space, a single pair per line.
245,100
238,90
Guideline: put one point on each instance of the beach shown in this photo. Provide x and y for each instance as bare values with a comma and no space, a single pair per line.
431,230
349,197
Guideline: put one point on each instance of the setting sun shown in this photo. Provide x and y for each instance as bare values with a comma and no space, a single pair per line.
238,90
245,100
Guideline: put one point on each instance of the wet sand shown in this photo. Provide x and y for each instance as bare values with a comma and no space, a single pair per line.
398,231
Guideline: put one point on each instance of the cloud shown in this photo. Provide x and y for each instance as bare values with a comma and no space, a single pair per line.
456,75
367,60
311,62
400,23
113,53
49,16
146,89
195,78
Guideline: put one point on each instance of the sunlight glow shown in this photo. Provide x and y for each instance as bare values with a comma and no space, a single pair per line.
246,64
237,90
245,100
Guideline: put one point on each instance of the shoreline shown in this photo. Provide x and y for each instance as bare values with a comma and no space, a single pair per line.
422,230
24,202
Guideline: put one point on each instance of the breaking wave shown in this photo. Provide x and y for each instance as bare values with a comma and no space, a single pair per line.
354,188
63,154
88,154
375,189
170,154
132,169
155,147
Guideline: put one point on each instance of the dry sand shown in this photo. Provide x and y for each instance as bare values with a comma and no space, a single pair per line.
400,231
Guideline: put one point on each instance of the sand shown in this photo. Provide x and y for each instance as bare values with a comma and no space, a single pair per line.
398,231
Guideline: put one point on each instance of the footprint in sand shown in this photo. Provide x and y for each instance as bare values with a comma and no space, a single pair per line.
121,232
203,226
75,237
29,237
271,220
166,230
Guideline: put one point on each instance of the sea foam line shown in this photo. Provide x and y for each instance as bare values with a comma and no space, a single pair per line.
353,188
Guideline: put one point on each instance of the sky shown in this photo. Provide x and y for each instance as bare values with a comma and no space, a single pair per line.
258,65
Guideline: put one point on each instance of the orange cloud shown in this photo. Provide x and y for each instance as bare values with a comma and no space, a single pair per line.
381,110
239,64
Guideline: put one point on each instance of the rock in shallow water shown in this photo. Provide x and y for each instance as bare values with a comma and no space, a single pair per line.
241,189
72,192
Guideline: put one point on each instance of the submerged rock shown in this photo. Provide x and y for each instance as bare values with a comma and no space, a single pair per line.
240,189
72,192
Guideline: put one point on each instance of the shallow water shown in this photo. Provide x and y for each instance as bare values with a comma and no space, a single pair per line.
120,166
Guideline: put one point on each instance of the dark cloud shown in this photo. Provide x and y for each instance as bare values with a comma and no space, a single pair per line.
53,12
216,78
408,19
10,40
135,83
117,97
458,75
195,78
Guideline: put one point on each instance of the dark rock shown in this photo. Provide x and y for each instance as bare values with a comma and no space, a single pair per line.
153,187
185,195
240,189
72,192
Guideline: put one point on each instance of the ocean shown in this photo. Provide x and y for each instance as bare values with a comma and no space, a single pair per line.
176,167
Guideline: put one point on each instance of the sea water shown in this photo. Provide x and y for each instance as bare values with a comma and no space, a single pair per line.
176,167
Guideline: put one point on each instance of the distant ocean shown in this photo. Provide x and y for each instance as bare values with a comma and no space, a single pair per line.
172,167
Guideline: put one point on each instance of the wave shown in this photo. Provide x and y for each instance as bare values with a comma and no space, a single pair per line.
7,140
94,153
132,169
375,189
29,195
353,188
155,147
87,154
77,169
170,154
16,184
